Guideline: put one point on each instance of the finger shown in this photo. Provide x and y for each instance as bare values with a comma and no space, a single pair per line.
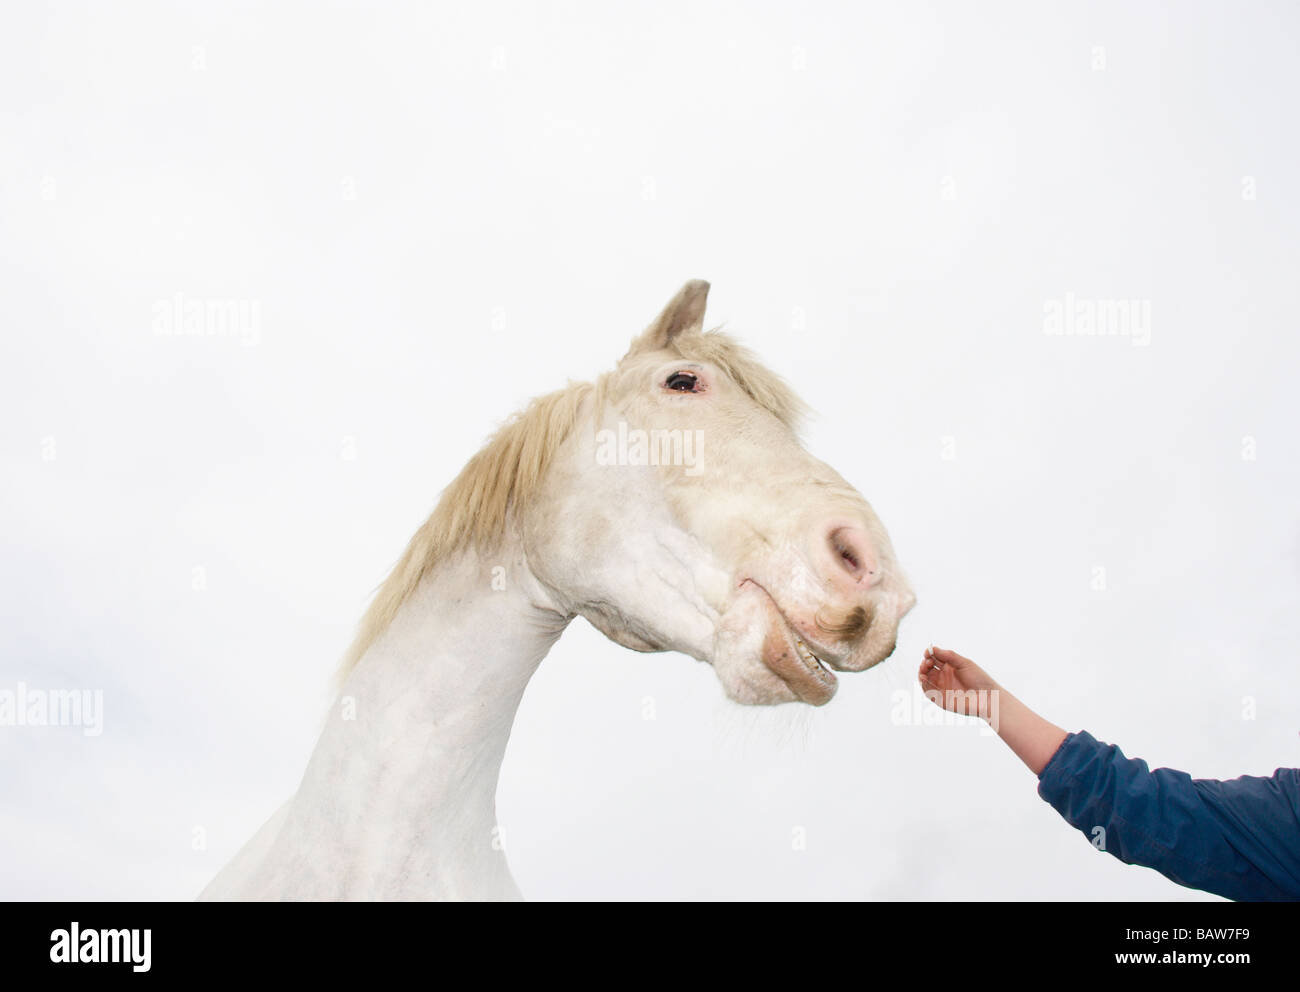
933,692
949,657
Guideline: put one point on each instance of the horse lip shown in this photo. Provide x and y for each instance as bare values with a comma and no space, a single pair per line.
815,684
831,658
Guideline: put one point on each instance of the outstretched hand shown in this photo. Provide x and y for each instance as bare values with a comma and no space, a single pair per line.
955,683
961,686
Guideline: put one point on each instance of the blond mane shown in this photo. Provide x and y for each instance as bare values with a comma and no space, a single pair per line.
474,510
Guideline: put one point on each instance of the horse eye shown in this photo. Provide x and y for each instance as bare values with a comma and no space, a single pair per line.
683,382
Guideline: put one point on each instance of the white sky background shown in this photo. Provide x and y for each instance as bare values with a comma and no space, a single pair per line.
884,198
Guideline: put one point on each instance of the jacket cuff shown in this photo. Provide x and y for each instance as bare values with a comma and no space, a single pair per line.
1060,757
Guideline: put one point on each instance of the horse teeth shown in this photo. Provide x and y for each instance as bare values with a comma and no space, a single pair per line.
806,653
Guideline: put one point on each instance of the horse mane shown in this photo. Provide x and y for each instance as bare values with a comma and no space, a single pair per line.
473,511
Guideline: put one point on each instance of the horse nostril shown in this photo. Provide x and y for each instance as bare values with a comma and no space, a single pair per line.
849,547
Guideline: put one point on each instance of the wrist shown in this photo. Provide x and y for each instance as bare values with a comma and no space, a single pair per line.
994,696
1003,709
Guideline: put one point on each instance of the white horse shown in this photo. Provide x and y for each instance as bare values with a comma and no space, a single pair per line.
672,505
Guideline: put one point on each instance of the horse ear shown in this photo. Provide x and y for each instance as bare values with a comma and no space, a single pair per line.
684,313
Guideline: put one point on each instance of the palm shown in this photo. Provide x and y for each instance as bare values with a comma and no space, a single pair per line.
948,673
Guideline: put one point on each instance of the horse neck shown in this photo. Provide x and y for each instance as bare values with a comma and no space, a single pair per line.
399,798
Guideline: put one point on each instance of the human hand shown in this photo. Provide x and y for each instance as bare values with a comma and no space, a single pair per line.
956,683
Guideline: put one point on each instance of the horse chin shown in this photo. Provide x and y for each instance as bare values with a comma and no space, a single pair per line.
761,661
798,667
793,661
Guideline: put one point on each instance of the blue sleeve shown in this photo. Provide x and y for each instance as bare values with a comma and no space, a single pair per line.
1239,838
